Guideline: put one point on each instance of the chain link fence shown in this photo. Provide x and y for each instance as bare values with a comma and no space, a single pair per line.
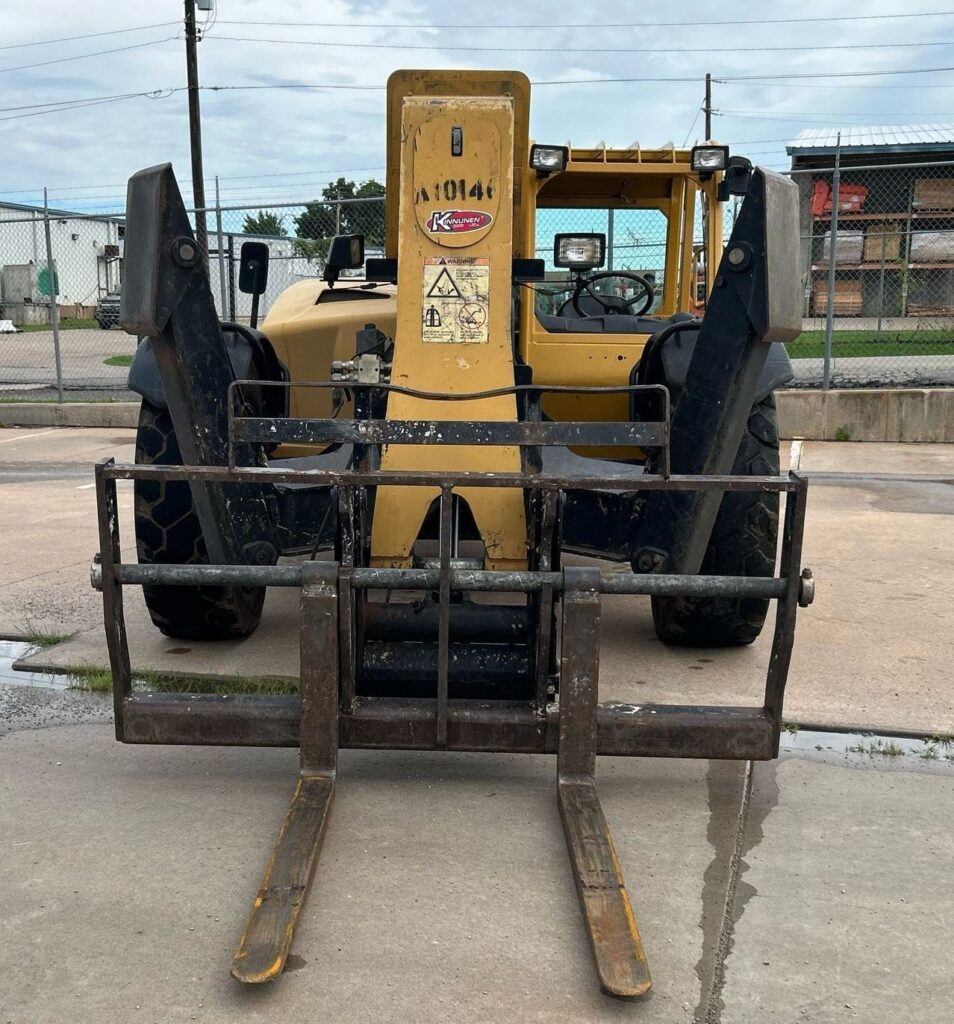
60,275
877,264
876,258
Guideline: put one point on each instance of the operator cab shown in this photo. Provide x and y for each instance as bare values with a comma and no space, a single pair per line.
593,300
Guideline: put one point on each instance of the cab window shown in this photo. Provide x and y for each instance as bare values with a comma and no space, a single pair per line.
635,242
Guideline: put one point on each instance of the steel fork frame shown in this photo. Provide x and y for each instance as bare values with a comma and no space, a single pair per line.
328,714
654,730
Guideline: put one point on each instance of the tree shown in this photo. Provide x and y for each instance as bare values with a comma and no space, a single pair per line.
264,223
322,219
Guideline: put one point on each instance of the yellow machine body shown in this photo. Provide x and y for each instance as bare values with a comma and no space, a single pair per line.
454,222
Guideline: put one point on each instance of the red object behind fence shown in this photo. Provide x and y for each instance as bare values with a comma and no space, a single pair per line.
851,198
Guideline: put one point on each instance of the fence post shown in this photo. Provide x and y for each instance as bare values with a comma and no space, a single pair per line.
218,232
231,278
610,238
884,245
830,312
53,285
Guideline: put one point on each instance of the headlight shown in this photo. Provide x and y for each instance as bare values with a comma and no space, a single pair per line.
579,252
549,159
709,158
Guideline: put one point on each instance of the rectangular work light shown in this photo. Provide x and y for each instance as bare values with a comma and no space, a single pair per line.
707,159
579,252
549,159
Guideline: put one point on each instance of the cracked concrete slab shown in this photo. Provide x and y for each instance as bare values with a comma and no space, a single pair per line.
844,908
444,890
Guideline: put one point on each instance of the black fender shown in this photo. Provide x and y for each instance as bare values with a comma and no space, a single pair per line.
668,353
676,354
246,348
676,350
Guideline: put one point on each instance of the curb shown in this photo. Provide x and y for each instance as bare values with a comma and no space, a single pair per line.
916,415
69,414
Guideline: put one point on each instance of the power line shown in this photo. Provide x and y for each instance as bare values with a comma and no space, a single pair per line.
83,56
688,133
234,177
835,113
835,85
60,103
87,35
65,105
868,119
577,49
779,78
59,110
550,26
33,110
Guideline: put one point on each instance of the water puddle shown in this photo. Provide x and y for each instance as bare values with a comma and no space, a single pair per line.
871,751
12,651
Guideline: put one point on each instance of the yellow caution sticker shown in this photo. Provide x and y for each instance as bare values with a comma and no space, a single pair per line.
456,300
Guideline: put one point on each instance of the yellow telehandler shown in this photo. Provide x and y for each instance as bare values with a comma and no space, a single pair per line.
417,449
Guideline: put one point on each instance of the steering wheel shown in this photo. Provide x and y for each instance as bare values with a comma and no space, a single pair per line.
613,304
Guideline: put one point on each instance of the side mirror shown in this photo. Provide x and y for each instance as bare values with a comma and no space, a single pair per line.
253,268
345,253
738,174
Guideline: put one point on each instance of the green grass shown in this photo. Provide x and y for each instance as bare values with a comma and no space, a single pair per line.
67,323
39,638
100,680
887,748
118,361
811,344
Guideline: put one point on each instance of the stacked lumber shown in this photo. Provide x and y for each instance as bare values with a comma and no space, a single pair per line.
847,297
934,193
883,241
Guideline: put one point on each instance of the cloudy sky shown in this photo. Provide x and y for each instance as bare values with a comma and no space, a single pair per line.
270,142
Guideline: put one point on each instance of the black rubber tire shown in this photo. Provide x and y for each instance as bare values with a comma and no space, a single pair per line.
167,530
743,543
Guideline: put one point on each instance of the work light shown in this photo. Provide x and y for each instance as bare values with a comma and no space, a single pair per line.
579,252
549,159
707,159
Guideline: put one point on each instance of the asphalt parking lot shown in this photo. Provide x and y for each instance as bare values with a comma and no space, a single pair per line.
28,360
815,888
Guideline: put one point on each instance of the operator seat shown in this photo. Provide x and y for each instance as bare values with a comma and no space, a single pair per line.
566,321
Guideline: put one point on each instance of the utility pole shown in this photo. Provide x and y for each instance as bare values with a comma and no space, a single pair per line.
195,131
708,106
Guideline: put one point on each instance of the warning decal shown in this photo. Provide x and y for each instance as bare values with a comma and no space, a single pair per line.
456,306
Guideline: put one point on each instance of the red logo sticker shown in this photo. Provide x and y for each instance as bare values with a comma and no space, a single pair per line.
456,221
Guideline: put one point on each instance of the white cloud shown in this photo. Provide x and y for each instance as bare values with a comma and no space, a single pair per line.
304,138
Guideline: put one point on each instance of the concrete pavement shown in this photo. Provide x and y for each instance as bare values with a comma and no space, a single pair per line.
815,889
29,358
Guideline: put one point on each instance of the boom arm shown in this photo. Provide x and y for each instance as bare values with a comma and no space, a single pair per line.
754,302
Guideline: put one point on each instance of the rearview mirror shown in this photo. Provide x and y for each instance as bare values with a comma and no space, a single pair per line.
253,268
